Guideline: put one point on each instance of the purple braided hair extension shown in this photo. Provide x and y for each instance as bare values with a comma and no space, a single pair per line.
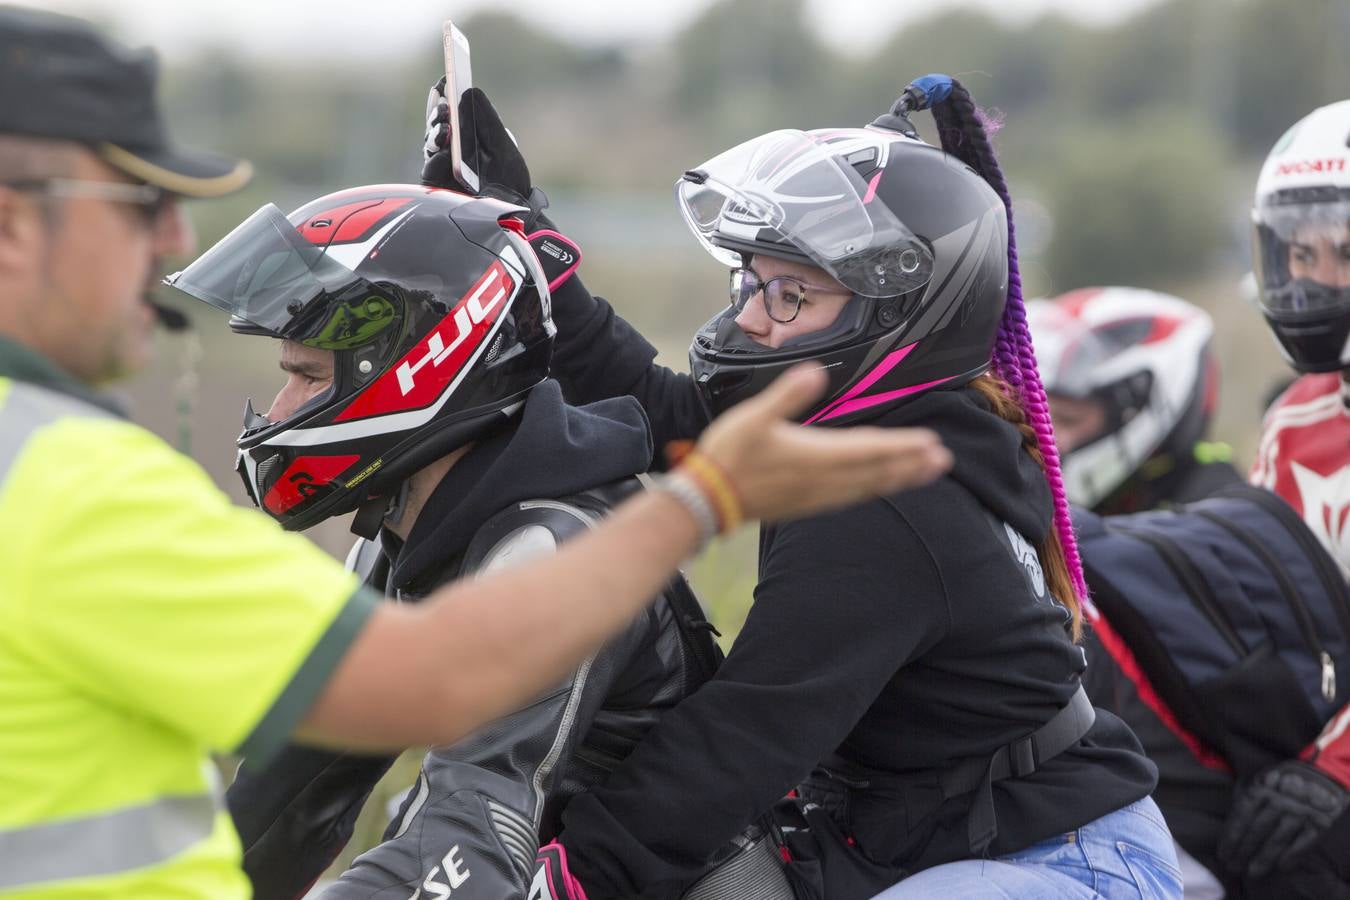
964,130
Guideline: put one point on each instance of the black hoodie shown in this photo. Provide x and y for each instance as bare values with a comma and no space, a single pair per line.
296,813
901,636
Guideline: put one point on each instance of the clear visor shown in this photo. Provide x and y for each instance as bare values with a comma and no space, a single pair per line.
1302,258
786,187
267,273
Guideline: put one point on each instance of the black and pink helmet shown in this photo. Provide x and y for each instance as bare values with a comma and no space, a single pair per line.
438,315
918,236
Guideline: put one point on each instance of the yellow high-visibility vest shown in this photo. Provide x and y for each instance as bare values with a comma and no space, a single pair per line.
145,622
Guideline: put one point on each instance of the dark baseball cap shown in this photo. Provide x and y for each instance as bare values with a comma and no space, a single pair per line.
60,78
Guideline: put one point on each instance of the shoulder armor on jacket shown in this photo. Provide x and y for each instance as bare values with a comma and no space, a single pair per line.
524,531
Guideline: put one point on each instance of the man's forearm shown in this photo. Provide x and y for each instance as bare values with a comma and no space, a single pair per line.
475,650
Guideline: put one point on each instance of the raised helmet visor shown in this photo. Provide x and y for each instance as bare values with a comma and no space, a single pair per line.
267,274
787,187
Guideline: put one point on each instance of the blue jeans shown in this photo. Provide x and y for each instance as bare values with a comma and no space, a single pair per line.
1125,854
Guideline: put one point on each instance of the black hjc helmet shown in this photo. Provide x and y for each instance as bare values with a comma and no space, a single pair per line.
918,237
437,313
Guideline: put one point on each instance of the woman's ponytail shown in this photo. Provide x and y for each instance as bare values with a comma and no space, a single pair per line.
963,130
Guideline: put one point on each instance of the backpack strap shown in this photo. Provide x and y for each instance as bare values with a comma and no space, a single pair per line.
698,633
1015,760
977,774
1024,755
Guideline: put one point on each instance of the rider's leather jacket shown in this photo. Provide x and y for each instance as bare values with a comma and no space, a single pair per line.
480,808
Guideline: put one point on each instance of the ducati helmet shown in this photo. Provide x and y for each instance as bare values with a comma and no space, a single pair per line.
1144,357
917,237
437,314
1301,236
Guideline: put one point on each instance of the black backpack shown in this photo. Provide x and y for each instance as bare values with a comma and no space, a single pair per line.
1232,613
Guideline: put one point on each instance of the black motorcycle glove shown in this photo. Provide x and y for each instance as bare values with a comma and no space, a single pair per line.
1279,815
504,174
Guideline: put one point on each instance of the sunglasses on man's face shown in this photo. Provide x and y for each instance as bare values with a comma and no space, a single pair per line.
148,199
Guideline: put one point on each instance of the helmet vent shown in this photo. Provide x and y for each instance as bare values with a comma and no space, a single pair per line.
491,356
266,471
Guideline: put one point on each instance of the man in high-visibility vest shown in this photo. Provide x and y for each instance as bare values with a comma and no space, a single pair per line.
145,621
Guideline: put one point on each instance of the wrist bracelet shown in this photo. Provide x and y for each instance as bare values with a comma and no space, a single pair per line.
713,478
693,498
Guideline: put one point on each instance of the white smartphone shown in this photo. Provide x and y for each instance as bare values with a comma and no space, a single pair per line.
458,80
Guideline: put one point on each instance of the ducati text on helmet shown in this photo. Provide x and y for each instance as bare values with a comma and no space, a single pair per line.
1301,233
436,312
917,237
1142,359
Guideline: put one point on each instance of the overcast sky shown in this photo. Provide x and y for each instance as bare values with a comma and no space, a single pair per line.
315,27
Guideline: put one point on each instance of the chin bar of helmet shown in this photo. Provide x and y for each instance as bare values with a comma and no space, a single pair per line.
921,93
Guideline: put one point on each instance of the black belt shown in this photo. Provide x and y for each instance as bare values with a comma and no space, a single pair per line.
1014,760
1024,755
1020,758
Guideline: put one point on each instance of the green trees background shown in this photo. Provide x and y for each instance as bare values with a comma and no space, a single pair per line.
1156,121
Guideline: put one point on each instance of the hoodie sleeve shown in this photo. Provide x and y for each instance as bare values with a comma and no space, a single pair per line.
825,635
599,355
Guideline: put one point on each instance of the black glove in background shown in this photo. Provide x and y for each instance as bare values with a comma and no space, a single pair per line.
1278,816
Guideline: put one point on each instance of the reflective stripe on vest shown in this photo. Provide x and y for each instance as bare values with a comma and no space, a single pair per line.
105,844
27,408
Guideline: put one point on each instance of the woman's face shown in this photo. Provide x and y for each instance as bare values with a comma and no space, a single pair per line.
822,300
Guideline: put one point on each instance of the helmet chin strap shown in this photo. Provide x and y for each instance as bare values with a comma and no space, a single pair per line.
370,515
398,504
375,512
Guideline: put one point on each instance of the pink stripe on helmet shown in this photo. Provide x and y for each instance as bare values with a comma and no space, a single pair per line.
872,187
873,399
890,361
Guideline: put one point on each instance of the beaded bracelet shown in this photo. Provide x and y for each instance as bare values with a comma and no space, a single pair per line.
713,479
680,485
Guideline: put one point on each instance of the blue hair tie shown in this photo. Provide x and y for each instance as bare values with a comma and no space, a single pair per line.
921,93
929,91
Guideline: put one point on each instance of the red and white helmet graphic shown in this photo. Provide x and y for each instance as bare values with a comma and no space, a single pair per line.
437,313
1142,355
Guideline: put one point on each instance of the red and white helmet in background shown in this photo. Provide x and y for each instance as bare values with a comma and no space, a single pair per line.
437,313
1145,358
1301,233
